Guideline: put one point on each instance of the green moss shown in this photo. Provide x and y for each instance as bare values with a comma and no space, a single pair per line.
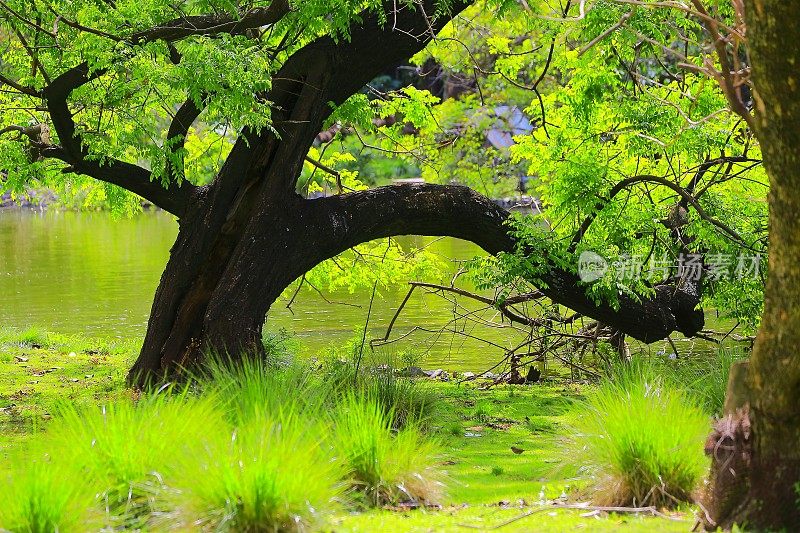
484,517
40,369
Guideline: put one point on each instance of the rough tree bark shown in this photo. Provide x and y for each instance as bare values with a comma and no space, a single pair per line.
246,237
762,440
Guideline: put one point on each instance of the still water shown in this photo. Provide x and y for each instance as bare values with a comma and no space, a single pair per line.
90,274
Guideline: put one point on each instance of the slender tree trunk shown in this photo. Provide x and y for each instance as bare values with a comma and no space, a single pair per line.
767,431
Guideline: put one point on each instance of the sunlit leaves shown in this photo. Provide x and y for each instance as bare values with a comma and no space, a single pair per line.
382,262
125,113
412,104
356,111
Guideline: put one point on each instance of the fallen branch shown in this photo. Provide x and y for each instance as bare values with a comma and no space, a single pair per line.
602,508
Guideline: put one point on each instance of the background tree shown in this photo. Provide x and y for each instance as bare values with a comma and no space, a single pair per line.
756,471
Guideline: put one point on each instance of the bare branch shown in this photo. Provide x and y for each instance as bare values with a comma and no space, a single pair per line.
30,91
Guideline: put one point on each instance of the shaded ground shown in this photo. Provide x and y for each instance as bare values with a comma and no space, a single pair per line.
501,445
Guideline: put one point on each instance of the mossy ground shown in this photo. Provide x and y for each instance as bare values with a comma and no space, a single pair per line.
40,369
488,483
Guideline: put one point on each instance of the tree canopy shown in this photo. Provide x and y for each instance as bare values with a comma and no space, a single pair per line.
632,129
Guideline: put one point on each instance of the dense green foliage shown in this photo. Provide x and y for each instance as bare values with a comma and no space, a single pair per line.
632,149
626,110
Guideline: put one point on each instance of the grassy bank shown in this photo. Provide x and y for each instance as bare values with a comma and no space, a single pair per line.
499,453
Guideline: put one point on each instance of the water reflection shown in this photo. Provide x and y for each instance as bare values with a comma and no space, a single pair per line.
93,275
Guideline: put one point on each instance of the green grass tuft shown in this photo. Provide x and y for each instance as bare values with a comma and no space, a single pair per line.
641,438
129,450
255,388
482,412
40,496
386,466
34,336
402,400
267,475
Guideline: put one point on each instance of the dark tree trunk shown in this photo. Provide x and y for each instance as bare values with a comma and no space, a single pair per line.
763,492
243,239
246,237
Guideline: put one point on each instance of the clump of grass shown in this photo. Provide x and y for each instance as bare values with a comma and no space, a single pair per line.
129,449
267,475
30,337
376,419
41,497
455,429
641,438
402,400
407,401
704,378
482,412
386,466
410,357
497,470
253,388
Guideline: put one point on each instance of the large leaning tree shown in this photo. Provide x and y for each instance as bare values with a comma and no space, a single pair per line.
111,89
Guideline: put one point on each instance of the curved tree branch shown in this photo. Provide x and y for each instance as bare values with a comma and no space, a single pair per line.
128,176
30,91
172,198
456,211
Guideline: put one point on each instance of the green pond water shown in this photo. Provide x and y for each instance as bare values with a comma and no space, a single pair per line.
90,274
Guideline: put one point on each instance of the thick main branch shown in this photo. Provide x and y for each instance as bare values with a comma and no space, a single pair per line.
456,211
